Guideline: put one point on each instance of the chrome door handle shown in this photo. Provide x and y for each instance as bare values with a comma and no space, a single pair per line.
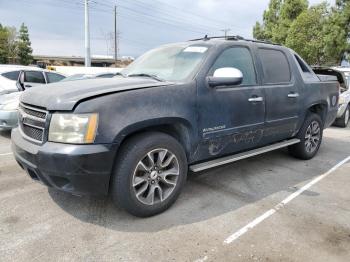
256,99
293,95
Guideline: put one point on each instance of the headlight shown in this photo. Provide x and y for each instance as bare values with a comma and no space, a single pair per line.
73,128
341,100
11,105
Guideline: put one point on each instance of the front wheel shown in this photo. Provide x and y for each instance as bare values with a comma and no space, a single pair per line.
310,136
150,172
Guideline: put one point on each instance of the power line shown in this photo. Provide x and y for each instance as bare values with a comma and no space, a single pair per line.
166,15
189,13
165,20
225,31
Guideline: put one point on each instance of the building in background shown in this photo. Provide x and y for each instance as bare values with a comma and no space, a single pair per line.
96,61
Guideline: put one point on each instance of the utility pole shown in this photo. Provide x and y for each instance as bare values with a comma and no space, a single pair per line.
115,36
226,31
87,35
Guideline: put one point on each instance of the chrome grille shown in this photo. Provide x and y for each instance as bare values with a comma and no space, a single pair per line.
32,122
29,111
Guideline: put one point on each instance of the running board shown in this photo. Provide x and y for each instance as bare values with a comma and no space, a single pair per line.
234,158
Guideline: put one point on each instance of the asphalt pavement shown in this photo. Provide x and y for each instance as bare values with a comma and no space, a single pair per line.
267,208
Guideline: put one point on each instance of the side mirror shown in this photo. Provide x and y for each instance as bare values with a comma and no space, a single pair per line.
227,76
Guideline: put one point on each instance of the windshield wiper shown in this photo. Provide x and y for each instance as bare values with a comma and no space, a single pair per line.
147,75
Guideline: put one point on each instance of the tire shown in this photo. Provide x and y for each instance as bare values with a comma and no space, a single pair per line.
311,133
135,178
343,121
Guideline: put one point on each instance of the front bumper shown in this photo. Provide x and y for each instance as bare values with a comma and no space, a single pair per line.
8,119
77,169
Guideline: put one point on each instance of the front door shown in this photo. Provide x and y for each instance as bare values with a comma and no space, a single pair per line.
231,118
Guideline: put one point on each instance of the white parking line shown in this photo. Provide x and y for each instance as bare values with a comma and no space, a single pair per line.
272,211
5,154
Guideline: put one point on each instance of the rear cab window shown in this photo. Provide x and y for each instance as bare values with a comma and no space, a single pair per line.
13,75
276,68
306,72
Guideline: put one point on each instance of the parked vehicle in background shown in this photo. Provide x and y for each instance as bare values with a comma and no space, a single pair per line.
197,104
343,77
9,110
32,76
89,76
106,75
15,79
77,77
9,102
73,70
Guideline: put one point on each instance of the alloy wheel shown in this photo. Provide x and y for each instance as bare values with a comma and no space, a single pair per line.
155,176
312,137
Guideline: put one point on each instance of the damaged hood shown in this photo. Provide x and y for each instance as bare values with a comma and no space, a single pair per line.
65,95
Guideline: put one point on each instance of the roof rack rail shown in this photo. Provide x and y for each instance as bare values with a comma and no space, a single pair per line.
234,38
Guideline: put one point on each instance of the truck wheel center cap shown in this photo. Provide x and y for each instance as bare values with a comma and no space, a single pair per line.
154,174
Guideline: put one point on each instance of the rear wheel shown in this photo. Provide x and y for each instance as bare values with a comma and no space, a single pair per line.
310,136
343,121
150,173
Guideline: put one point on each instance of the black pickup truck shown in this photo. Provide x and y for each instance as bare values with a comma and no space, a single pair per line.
185,106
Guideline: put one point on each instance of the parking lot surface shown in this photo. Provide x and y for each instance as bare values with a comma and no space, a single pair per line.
40,224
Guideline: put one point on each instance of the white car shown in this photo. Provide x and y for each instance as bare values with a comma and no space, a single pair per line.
343,76
343,116
32,76
9,110
10,76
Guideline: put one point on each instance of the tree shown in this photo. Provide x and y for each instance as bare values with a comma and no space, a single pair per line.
306,34
24,46
3,45
270,21
337,32
319,33
290,10
277,20
12,44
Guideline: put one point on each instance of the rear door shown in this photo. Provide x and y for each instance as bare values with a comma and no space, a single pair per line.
282,94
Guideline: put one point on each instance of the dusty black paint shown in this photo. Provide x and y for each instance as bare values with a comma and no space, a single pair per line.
209,122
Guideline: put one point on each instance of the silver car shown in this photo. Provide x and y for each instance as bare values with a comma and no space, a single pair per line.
8,110
343,76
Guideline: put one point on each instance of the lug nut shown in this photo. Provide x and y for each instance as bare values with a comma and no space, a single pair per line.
152,182
158,178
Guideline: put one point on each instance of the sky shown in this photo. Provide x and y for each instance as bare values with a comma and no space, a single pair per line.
56,27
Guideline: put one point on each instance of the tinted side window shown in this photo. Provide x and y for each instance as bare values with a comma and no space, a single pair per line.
302,65
34,77
12,75
53,78
240,58
307,74
275,65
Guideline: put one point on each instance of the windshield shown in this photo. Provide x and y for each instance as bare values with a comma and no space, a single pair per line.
170,63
